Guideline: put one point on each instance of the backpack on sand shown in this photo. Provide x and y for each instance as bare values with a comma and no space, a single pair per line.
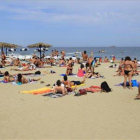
105,87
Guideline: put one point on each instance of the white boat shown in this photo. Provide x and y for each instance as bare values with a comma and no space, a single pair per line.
102,51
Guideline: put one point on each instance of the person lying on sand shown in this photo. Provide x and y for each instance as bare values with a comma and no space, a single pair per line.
75,83
93,74
7,78
23,80
59,88
26,68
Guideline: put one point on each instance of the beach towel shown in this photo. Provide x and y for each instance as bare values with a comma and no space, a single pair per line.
93,89
134,83
78,86
38,91
58,95
51,95
67,75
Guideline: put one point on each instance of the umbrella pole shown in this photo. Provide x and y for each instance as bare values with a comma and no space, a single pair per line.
2,48
6,51
40,52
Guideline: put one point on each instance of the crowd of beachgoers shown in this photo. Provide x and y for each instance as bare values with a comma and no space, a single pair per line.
87,66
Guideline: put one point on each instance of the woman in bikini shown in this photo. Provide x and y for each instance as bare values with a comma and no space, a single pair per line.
23,80
69,67
66,82
128,71
7,78
3,57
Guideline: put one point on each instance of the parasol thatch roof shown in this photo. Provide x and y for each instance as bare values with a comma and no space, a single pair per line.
40,44
7,45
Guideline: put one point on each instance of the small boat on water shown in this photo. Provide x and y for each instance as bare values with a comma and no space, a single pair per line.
102,51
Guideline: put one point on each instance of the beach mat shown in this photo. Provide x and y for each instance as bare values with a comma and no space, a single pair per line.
51,95
67,75
38,91
58,95
134,83
78,86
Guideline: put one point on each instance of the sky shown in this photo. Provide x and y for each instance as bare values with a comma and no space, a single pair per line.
71,23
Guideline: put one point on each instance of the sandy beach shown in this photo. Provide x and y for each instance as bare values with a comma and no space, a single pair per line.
113,115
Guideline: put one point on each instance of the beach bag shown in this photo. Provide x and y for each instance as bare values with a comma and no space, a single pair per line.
69,89
37,72
105,87
82,91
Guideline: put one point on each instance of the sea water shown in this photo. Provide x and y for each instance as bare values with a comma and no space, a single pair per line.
119,52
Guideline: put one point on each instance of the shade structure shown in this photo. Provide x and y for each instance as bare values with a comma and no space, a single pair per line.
40,45
7,45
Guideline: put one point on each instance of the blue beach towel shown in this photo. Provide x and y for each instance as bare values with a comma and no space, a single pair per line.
68,75
134,83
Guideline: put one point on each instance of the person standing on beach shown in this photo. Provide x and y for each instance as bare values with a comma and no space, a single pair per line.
85,56
128,71
63,54
3,57
91,54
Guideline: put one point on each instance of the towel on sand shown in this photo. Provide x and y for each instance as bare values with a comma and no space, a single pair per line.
38,91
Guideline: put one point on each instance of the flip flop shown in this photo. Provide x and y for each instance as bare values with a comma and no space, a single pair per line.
42,82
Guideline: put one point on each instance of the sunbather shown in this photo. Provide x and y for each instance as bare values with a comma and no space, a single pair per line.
23,80
7,78
26,68
59,88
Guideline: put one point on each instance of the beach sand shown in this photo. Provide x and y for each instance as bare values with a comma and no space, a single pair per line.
113,115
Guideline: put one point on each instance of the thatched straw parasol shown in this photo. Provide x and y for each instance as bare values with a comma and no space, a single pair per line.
7,45
39,45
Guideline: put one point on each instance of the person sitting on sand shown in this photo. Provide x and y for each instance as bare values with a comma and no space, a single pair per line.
121,61
105,59
128,71
65,81
62,62
93,75
81,71
120,71
17,62
59,88
7,78
69,67
85,56
135,68
23,80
